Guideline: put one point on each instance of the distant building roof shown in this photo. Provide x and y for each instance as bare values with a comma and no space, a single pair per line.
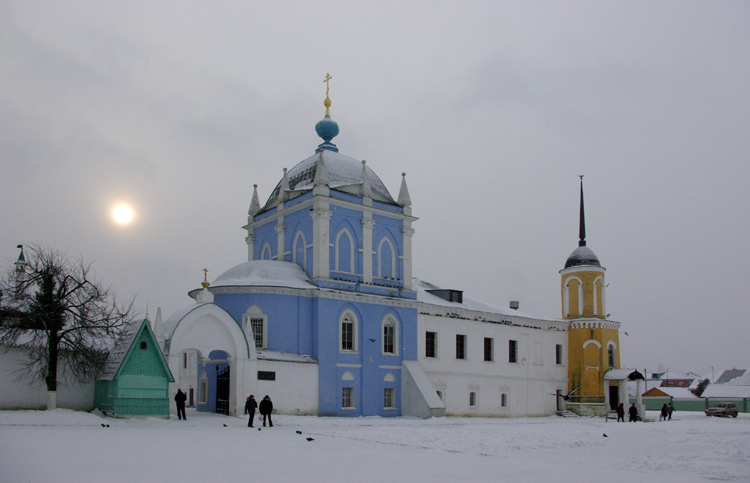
728,375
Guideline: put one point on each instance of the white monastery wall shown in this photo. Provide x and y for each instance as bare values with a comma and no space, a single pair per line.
295,390
500,387
24,394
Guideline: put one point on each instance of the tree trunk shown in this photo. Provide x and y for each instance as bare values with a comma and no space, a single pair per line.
51,378
51,400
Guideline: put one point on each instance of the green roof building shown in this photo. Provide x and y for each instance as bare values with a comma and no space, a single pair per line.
135,379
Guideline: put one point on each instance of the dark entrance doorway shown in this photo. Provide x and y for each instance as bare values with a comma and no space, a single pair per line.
614,397
222,391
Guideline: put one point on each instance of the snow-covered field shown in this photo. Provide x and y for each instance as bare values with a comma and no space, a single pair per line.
69,446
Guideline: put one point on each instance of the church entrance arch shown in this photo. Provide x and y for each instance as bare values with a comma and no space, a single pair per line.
222,355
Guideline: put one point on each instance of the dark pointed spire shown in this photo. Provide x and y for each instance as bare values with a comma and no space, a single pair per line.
581,221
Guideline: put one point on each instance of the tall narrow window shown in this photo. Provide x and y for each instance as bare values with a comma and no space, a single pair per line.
611,354
430,344
504,400
348,333
389,336
472,399
386,259
460,346
388,398
256,324
558,354
489,349
347,397
513,351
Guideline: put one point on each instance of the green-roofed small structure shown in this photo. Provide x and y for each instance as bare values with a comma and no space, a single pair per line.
135,379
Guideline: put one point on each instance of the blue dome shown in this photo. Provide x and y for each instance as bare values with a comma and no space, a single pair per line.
327,129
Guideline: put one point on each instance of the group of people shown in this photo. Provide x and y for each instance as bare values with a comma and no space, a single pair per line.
265,408
666,413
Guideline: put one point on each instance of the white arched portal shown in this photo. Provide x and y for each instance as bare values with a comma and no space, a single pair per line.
206,328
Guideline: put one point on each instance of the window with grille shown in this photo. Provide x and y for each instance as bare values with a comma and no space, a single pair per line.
460,346
489,346
513,351
347,397
430,344
256,324
347,333
389,332
388,398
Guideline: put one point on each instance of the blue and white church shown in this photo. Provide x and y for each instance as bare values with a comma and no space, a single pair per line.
326,317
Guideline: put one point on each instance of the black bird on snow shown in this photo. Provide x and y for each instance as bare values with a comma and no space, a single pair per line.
103,425
298,432
225,425
258,429
605,435
566,397
310,439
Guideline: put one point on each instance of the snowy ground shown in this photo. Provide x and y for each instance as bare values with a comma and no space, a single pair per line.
69,446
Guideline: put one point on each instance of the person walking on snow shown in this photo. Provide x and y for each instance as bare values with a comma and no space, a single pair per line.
180,399
266,407
670,410
664,413
250,407
633,413
621,413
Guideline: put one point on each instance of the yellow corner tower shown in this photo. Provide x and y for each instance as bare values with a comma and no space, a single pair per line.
593,344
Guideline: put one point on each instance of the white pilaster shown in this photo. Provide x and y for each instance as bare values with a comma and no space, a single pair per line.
408,233
280,233
250,240
367,249
321,226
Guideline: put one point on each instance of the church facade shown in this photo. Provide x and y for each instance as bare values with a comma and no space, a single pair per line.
326,317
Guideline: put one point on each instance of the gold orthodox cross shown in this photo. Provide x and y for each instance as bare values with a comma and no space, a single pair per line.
205,275
326,80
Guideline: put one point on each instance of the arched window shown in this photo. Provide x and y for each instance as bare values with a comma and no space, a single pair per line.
344,252
390,335
348,332
573,297
386,259
611,354
265,254
299,252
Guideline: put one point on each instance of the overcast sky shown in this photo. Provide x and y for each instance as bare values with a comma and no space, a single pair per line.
492,109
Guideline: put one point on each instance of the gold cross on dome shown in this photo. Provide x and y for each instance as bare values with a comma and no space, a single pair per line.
326,81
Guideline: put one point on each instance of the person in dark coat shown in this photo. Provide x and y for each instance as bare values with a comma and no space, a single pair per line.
664,413
180,399
266,407
633,413
250,406
621,413
670,410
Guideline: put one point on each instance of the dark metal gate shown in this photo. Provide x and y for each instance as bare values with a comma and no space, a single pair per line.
222,391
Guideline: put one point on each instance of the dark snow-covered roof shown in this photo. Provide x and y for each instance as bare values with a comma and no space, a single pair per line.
344,173
422,287
582,256
280,356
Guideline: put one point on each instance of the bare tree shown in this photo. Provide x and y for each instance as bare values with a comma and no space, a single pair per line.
51,304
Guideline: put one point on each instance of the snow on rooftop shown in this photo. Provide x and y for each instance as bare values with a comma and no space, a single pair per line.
422,287
280,356
264,273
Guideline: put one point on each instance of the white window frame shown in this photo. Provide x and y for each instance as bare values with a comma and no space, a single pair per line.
349,315
390,321
265,252
347,395
255,312
389,398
